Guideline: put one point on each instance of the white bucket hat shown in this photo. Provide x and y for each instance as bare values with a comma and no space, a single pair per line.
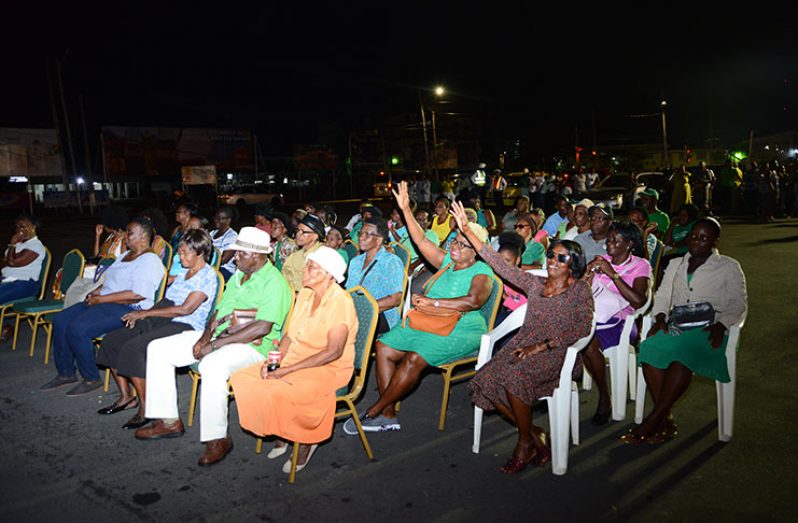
252,239
329,260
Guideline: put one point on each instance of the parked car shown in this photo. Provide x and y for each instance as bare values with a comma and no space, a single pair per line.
249,195
621,192
655,180
516,182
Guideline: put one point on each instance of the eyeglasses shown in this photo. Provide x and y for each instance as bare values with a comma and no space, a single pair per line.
302,231
462,245
562,258
521,225
366,233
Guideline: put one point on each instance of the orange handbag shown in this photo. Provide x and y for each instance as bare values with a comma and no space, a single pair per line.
434,320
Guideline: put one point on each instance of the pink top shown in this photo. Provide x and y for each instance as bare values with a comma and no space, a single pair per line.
513,298
540,235
629,271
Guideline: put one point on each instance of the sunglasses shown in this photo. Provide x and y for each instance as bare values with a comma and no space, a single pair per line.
462,245
562,258
521,225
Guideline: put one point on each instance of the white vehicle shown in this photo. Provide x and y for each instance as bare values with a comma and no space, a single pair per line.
248,195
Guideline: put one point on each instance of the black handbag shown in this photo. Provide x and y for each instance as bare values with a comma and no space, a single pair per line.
692,316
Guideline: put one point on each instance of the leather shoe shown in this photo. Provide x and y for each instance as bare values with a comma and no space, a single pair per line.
215,451
132,403
159,429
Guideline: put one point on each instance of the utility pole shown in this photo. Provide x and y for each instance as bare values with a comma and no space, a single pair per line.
87,150
57,125
424,127
68,130
750,143
434,145
663,104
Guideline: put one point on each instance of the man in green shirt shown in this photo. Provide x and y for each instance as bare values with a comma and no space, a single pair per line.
649,199
239,333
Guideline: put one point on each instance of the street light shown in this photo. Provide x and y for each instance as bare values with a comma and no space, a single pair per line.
439,90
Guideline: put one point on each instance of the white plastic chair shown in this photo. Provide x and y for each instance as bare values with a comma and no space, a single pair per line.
725,391
621,363
563,404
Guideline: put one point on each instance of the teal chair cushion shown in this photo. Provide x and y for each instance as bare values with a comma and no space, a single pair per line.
36,306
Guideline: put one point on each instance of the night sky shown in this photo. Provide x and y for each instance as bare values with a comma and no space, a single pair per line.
524,73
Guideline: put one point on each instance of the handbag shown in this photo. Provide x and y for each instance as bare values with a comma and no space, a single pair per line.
92,279
606,302
433,320
692,316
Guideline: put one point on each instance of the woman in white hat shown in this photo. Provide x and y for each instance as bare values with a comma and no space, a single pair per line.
296,402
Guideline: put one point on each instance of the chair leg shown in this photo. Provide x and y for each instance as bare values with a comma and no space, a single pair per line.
640,401
725,392
360,430
34,327
294,459
587,380
259,445
632,373
575,415
193,403
397,406
49,329
16,333
559,420
477,429
618,364
107,380
447,385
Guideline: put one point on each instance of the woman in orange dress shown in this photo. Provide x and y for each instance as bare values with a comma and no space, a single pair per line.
296,402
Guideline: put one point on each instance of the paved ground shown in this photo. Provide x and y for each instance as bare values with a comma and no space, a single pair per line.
61,461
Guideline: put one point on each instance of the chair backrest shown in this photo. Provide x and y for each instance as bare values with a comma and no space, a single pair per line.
106,261
167,256
219,290
566,373
403,253
216,258
44,272
491,306
351,249
74,263
655,258
159,292
367,313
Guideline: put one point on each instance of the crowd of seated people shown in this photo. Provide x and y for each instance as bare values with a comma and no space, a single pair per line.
294,269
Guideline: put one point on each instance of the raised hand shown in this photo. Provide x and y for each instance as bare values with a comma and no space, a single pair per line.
98,230
402,196
458,212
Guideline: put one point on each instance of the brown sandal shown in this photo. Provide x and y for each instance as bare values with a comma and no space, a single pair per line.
630,438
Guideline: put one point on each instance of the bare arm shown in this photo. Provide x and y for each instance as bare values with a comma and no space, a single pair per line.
431,252
389,302
123,297
336,342
19,259
248,333
193,301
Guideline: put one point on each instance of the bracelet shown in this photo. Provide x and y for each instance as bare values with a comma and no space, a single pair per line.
616,277
212,347
548,345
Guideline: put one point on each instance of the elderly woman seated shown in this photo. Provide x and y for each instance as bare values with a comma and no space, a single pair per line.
559,312
460,288
296,402
187,305
620,281
130,284
670,355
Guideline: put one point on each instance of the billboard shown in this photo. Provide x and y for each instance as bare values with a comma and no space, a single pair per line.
163,151
199,175
29,152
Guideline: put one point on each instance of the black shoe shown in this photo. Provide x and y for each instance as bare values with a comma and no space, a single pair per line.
113,409
58,381
136,422
85,387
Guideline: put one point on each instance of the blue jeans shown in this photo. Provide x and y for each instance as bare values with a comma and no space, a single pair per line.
14,290
73,331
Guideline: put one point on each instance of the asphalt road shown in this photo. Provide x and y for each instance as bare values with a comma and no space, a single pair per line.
61,461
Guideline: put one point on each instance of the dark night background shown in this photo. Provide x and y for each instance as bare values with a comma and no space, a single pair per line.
282,70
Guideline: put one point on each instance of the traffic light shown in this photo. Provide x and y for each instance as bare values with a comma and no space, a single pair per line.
395,160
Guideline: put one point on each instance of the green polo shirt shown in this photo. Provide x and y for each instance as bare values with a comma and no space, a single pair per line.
661,219
268,292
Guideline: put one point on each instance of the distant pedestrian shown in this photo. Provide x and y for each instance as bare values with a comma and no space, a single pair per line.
682,194
703,183
498,184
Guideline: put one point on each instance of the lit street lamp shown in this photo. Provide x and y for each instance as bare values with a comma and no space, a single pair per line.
663,104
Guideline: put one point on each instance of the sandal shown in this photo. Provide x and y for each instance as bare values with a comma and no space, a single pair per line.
515,465
630,438
132,403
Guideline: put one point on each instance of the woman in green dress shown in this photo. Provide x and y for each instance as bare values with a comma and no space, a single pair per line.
462,284
669,357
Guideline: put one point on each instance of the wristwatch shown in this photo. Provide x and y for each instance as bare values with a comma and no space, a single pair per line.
548,344
616,277
436,303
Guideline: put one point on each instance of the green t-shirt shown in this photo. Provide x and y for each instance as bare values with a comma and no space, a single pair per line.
344,255
661,219
268,292
562,229
534,253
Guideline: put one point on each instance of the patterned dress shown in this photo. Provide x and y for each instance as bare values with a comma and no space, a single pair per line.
563,319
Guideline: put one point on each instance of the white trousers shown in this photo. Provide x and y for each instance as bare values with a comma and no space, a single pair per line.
166,354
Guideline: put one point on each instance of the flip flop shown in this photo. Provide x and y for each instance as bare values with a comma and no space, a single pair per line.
287,464
276,451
